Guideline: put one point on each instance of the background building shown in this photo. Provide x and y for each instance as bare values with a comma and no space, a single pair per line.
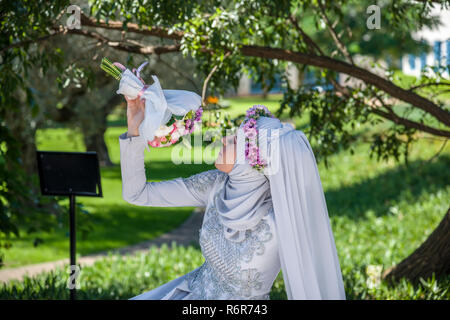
438,39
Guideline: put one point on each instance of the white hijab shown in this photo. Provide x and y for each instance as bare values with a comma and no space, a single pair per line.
243,201
291,182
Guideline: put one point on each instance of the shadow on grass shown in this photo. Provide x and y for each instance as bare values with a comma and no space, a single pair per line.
380,193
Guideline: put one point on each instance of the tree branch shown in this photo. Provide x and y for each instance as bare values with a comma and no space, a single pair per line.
352,70
205,83
314,48
410,124
439,152
406,122
428,85
25,42
131,27
333,34
134,48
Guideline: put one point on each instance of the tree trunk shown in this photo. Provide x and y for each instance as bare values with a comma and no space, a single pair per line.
29,159
265,92
25,134
96,143
433,256
94,138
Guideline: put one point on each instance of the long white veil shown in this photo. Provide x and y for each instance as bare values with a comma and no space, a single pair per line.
307,250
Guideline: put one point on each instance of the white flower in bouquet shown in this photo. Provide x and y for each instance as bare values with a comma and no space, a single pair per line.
176,135
181,130
162,131
179,123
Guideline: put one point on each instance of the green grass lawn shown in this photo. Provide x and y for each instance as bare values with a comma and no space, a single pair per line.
380,212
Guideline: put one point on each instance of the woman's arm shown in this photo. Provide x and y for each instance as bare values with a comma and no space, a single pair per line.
178,192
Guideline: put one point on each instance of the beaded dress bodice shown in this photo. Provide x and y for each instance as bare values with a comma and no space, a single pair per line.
232,270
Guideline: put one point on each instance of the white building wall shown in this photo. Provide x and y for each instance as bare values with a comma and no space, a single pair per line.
442,34
244,85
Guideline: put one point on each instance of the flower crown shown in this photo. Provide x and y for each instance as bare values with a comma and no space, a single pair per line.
252,153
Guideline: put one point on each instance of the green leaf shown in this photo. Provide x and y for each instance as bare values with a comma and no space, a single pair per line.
171,121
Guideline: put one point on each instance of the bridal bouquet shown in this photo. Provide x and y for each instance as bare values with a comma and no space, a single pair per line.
169,114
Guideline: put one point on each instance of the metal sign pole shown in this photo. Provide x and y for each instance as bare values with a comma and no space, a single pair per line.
73,268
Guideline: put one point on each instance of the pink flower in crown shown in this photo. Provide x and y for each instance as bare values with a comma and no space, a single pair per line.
253,158
251,136
253,147
252,161
251,133
251,123
253,142
253,152
198,114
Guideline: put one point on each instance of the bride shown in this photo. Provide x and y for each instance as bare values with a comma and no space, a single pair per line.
256,223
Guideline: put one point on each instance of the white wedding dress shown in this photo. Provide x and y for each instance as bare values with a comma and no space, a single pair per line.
232,270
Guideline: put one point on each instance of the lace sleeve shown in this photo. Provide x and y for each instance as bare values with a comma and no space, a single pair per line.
200,184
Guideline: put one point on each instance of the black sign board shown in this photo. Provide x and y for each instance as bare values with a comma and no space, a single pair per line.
66,173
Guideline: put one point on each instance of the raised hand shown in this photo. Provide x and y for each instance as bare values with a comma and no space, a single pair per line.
135,115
